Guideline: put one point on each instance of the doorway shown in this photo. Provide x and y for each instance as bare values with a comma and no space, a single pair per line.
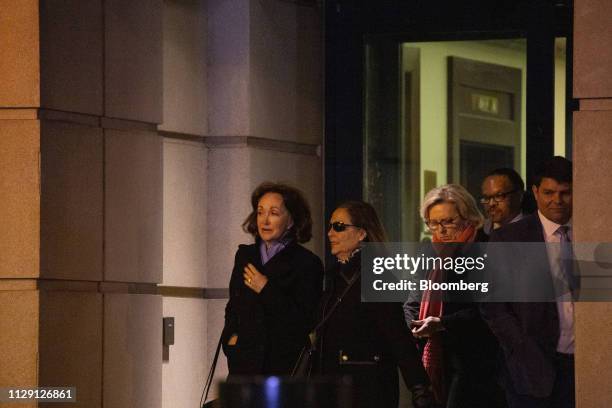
390,132
484,119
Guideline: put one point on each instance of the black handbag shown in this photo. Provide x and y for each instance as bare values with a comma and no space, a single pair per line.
303,365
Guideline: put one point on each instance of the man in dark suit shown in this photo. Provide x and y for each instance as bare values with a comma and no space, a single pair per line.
537,338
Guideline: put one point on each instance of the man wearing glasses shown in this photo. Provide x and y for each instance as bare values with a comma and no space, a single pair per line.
502,195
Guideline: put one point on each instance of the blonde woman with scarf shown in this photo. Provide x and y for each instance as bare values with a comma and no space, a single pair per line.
460,352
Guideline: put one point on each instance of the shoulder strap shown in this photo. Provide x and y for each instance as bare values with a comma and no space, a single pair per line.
211,374
336,304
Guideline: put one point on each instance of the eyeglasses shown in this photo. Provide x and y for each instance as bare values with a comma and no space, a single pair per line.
340,226
498,198
446,224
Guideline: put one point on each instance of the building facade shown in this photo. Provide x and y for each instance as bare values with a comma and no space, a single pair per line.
131,136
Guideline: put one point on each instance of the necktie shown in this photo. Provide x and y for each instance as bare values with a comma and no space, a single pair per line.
567,258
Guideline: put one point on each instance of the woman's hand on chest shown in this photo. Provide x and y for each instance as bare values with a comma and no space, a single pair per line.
253,279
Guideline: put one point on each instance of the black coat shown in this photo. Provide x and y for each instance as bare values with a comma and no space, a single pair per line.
470,349
367,341
529,331
271,326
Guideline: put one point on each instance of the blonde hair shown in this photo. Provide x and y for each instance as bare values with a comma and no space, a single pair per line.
456,194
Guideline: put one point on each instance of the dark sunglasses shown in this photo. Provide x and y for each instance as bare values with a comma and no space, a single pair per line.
340,226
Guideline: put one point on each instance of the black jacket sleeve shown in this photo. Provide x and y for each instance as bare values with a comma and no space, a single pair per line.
499,316
462,318
231,315
389,320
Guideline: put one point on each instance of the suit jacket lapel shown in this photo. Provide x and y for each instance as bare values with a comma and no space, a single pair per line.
535,230
254,257
537,234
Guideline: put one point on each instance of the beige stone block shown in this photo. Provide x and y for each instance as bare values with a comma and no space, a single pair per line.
19,338
228,54
592,192
184,374
592,152
185,72
592,359
233,174
71,345
185,189
20,199
132,351
18,114
592,58
71,201
286,72
133,60
71,55
133,206
265,76
229,192
309,76
18,284
273,59
19,54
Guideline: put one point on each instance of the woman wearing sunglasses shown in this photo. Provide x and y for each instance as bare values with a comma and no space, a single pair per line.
275,285
459,350
367,341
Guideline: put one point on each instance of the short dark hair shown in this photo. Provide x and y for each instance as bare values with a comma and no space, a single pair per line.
513,176
294,201
364,215
558,168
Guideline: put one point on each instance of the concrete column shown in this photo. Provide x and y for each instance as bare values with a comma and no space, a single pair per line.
274,131
19,194
185,105
593,189
265,109
81,198
242,104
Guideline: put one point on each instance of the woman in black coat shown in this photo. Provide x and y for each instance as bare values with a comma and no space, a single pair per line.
275,285
366,341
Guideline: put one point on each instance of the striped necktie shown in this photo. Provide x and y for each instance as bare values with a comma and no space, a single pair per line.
567,258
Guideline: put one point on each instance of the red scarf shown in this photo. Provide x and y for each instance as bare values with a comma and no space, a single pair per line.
432,305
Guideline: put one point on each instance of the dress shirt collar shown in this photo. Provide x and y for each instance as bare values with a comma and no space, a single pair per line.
488,224
551,227
518,217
